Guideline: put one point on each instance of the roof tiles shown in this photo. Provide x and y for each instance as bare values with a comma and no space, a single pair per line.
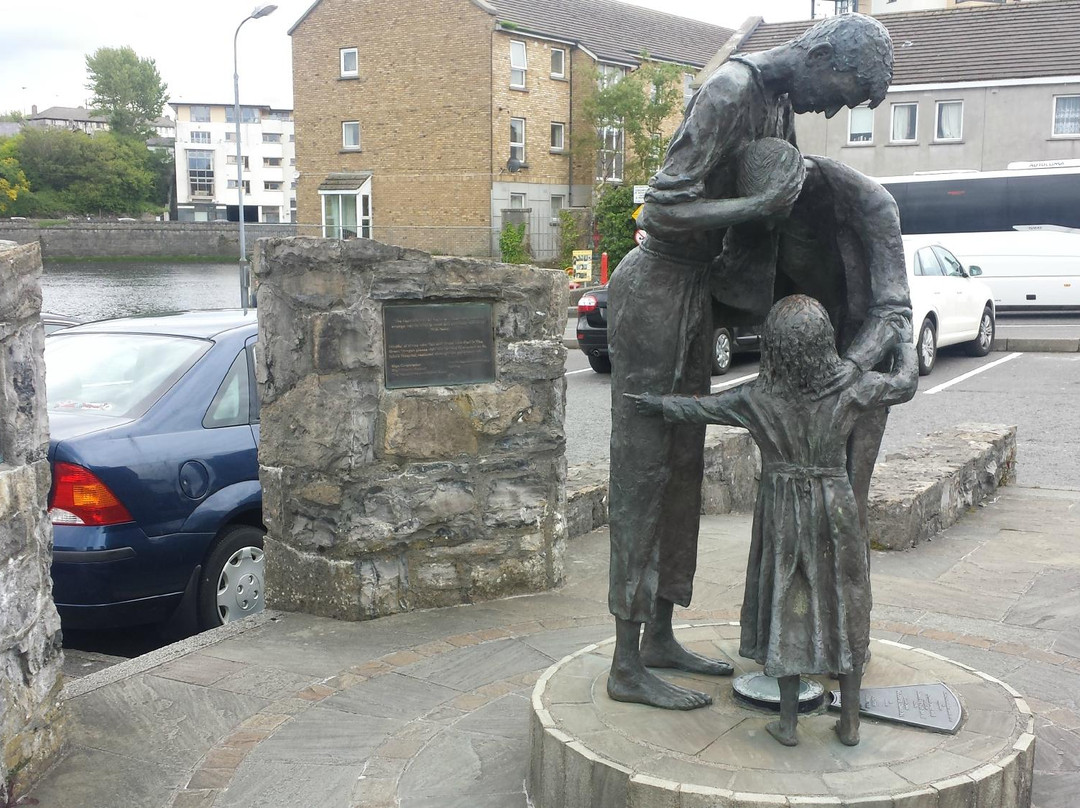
1034,38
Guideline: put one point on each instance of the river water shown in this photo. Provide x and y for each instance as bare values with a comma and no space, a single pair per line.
100,289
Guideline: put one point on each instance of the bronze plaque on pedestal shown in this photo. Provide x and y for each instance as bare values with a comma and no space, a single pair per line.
932,706
433,344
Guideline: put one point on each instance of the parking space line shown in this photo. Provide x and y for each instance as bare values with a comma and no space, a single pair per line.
970,373
572,372
733,382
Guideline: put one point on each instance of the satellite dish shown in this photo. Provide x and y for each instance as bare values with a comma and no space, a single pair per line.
513,165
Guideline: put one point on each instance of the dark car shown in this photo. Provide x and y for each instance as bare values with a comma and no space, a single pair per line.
592,335
155,502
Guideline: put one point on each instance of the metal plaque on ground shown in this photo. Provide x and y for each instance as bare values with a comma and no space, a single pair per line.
933,706
429,344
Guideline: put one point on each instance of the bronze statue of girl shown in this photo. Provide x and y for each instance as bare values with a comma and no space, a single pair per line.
806,607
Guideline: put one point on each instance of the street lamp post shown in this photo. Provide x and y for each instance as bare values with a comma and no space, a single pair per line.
245,295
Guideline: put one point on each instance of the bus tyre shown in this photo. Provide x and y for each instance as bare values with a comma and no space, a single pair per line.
600,364
984,340
927,347
721,353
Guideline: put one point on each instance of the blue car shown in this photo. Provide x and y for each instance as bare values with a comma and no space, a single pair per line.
155,502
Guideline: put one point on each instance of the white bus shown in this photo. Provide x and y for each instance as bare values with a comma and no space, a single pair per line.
1020,227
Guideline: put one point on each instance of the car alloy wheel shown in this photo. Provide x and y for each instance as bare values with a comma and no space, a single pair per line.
722,350
984,340
927,347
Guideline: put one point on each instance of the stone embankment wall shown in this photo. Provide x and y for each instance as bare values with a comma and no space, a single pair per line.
915,493
30,656
219,240
382,500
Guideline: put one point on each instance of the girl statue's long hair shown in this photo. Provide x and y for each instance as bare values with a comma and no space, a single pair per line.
798,349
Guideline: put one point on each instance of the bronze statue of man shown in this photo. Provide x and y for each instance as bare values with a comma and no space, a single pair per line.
661,306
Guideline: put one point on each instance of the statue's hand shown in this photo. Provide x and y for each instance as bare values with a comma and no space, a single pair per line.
843,377
647,403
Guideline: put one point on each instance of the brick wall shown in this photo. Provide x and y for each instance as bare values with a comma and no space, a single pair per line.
423,100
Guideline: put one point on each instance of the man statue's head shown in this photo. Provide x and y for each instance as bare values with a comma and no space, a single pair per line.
848,61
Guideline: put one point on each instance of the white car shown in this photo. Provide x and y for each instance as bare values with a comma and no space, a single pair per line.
949,306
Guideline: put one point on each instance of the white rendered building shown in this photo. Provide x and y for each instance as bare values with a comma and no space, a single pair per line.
206,176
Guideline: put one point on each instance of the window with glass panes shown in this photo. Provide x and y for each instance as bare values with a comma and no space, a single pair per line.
558,136
517,139
200,163
905,119
348,62
950,120
350,135
1067,115
861,125
558,63
518,64
609,163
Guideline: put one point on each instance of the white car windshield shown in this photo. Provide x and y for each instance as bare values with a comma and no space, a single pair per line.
119,375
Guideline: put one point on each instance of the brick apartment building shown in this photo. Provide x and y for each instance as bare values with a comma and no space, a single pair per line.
420,123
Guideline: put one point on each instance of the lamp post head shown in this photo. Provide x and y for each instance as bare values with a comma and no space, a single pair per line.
263,11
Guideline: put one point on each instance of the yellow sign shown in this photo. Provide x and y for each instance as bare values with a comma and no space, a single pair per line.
583,265
637,212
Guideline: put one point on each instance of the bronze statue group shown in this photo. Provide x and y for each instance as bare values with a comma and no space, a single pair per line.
737,219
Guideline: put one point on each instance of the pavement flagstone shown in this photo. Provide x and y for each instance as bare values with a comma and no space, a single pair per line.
431,708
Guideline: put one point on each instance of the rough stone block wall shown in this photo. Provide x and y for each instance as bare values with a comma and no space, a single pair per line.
30,656
927,487
382,500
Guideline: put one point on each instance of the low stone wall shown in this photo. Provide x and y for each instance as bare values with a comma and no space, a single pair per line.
30,656
149,239
925,488
915,493
380,500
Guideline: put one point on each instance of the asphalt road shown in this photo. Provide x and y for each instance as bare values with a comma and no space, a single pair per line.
1036,392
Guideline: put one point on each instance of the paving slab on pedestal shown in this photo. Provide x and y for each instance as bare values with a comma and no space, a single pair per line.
586,746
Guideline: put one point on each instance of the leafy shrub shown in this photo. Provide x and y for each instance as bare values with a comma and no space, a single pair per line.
512,244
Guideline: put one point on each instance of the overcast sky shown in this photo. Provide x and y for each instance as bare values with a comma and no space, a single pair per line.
44,44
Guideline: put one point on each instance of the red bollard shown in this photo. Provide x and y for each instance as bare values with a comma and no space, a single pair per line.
603,267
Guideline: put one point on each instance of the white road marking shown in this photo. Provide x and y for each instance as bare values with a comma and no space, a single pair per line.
572,372
1037,325
733,382
970,373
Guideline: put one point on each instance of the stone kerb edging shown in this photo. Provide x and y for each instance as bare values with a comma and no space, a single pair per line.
590,752
915,494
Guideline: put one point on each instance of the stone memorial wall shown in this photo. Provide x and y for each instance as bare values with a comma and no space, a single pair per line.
412,446
30,656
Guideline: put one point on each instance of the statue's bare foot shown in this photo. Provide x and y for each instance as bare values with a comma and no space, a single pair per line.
646,688
785,736
849,735
668,653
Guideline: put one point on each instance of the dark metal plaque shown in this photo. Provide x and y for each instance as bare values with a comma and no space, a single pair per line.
430,344
933,706
764,691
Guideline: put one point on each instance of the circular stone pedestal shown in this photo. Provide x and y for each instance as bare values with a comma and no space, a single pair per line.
591,752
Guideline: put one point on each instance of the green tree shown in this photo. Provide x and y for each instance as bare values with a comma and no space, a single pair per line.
12,179
14,116
614,222
71,172
629,112
127,90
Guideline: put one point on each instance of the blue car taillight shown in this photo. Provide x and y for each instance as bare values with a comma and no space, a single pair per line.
80,498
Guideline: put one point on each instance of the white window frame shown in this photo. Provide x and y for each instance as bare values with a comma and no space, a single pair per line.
363,222
200,136
345,145
560,128
521,199
617,152
556,207
851,135
1054,117
937,122
892,122
519,66
345,72
561,73
271,162
519,146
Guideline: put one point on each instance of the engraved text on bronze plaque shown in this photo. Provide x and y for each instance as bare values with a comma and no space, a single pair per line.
430,344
